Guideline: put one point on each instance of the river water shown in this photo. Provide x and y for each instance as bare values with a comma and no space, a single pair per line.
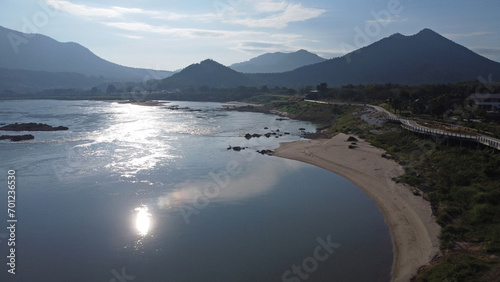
136,193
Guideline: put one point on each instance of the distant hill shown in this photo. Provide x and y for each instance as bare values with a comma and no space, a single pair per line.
277,62
423,58
207,73
34,81
36,52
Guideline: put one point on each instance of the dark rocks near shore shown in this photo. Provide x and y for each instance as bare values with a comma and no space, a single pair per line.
249,136
276,134
236,148
17,138
266,152
188,109
32,127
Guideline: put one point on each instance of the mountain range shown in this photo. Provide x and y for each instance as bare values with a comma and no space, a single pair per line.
46,58
277,62
34,62
423,58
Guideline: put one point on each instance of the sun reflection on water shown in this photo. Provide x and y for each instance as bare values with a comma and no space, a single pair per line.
142,221
134,139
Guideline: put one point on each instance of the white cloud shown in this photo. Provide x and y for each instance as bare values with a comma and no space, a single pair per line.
267,13
82,10
169,16
470,34
491,53
259,47
184,32
242,21
282,13
269,6
263,179
130,36
93,12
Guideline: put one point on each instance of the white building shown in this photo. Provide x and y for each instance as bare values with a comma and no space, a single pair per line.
487,102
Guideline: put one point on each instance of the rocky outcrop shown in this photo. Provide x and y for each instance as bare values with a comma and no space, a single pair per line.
236,148
266,152
276,134
16,138
31,127
249,136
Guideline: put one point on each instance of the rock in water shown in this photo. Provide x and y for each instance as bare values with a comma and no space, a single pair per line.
31,127
16,138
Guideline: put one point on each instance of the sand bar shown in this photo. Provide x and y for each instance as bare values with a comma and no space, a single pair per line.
414,231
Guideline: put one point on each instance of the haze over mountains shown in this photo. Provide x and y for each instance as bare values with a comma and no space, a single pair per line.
277,62
33,62
36,53
423,58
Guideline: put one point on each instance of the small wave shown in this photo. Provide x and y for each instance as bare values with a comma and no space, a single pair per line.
57,141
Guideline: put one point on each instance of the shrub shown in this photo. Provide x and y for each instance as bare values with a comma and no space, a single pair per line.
352,139
456,267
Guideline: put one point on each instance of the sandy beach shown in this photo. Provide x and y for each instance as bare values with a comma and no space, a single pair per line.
414,230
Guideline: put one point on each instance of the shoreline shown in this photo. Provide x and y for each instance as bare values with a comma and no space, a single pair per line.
414,231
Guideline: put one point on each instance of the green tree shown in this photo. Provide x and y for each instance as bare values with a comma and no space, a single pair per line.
439,105
416,108
111,89
396,103
322,87
306,90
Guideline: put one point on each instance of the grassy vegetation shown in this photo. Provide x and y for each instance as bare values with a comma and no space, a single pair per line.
267,99
458,267
489,128
322,114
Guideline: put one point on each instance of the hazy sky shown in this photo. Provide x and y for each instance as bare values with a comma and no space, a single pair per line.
172,34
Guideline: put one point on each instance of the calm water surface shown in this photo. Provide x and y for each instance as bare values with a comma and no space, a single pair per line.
134,193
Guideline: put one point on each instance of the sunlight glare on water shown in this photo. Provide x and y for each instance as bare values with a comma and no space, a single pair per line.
142,220
135,135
